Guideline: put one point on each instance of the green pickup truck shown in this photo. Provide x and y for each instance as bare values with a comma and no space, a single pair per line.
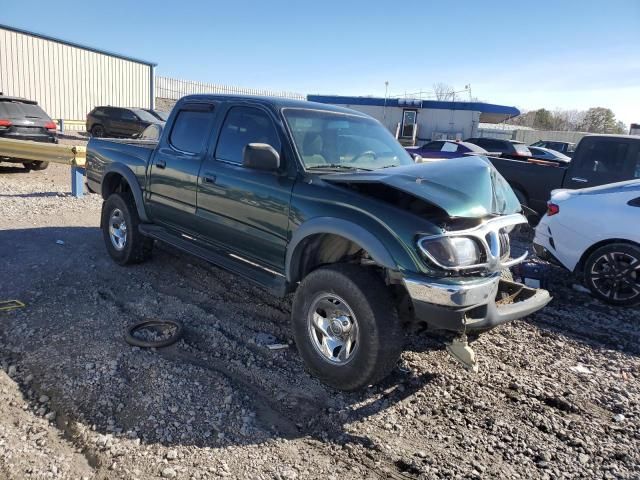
323,203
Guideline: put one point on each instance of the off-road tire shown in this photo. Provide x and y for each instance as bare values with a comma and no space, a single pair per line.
380,333
626,249
137,248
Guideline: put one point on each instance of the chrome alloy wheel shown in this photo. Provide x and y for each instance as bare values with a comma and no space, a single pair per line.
118,230
616,275
333,328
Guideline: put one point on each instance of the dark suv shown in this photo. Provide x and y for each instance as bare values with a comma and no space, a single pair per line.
118,122
22,119
507,148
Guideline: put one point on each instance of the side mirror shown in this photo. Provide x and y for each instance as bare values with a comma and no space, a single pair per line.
261,156
417,158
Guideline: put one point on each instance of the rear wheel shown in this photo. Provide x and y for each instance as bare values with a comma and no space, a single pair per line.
612,273
97,131
346,326
125,244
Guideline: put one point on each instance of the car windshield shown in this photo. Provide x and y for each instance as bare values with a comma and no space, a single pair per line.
144,115
333,140
163,115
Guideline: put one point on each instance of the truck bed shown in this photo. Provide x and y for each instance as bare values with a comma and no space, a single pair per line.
102,151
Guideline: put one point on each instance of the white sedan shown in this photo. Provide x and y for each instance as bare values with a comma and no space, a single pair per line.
596,232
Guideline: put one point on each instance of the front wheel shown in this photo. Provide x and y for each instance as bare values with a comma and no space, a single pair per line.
120,221
612,273
346,326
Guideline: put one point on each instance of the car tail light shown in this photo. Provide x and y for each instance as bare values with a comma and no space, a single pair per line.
5,123
552,209
50,126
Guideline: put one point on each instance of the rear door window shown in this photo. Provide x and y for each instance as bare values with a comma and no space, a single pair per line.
128,115
432,146
242,126
191,129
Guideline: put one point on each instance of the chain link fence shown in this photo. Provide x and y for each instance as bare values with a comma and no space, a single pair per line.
169,90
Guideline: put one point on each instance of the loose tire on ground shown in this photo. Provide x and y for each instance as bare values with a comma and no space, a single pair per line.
379,333
612,273
129,246
39,165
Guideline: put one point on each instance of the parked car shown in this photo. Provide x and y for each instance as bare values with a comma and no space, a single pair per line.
566,148
540,153
506,148
22,119
159,114
275,190
596,232
598,159
118,122
442,149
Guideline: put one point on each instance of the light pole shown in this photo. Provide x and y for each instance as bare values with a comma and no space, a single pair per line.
384,109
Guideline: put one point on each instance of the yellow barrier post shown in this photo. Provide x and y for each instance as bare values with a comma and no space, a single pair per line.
74,156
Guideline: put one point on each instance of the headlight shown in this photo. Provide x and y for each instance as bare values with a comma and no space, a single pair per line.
451,252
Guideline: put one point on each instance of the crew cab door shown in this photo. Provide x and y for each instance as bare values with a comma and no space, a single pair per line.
601,160
121,120
173,171
244,210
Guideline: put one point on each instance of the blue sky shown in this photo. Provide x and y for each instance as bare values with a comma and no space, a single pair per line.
552,54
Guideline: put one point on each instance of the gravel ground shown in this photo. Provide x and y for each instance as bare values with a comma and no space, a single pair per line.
557,394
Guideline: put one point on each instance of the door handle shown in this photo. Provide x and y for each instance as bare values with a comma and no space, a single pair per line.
579,179
209,178
161,163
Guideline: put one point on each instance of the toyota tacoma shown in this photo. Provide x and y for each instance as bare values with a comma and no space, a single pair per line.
323,203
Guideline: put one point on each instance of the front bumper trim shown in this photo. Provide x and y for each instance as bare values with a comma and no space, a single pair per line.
464,293
472,305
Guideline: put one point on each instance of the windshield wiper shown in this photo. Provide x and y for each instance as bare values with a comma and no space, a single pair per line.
330,166
388,166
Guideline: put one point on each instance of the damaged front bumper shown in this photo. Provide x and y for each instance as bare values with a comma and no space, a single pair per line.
469,305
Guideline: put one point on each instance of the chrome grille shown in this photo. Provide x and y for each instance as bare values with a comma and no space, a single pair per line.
493,236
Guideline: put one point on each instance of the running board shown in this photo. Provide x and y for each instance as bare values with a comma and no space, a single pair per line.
247,269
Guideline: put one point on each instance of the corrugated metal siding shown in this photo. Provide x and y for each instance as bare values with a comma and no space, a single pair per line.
69,81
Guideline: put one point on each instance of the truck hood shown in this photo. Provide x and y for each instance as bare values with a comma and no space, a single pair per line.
463,187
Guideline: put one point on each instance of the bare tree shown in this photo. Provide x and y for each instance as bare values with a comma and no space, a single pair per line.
443,91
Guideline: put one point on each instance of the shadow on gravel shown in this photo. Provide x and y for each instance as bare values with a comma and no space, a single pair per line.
575,314
17,169
36,195
216,387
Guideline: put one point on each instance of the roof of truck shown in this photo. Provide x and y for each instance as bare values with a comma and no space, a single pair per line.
277,102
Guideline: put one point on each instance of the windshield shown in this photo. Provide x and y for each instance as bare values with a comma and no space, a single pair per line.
163,115
145,116
331,140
